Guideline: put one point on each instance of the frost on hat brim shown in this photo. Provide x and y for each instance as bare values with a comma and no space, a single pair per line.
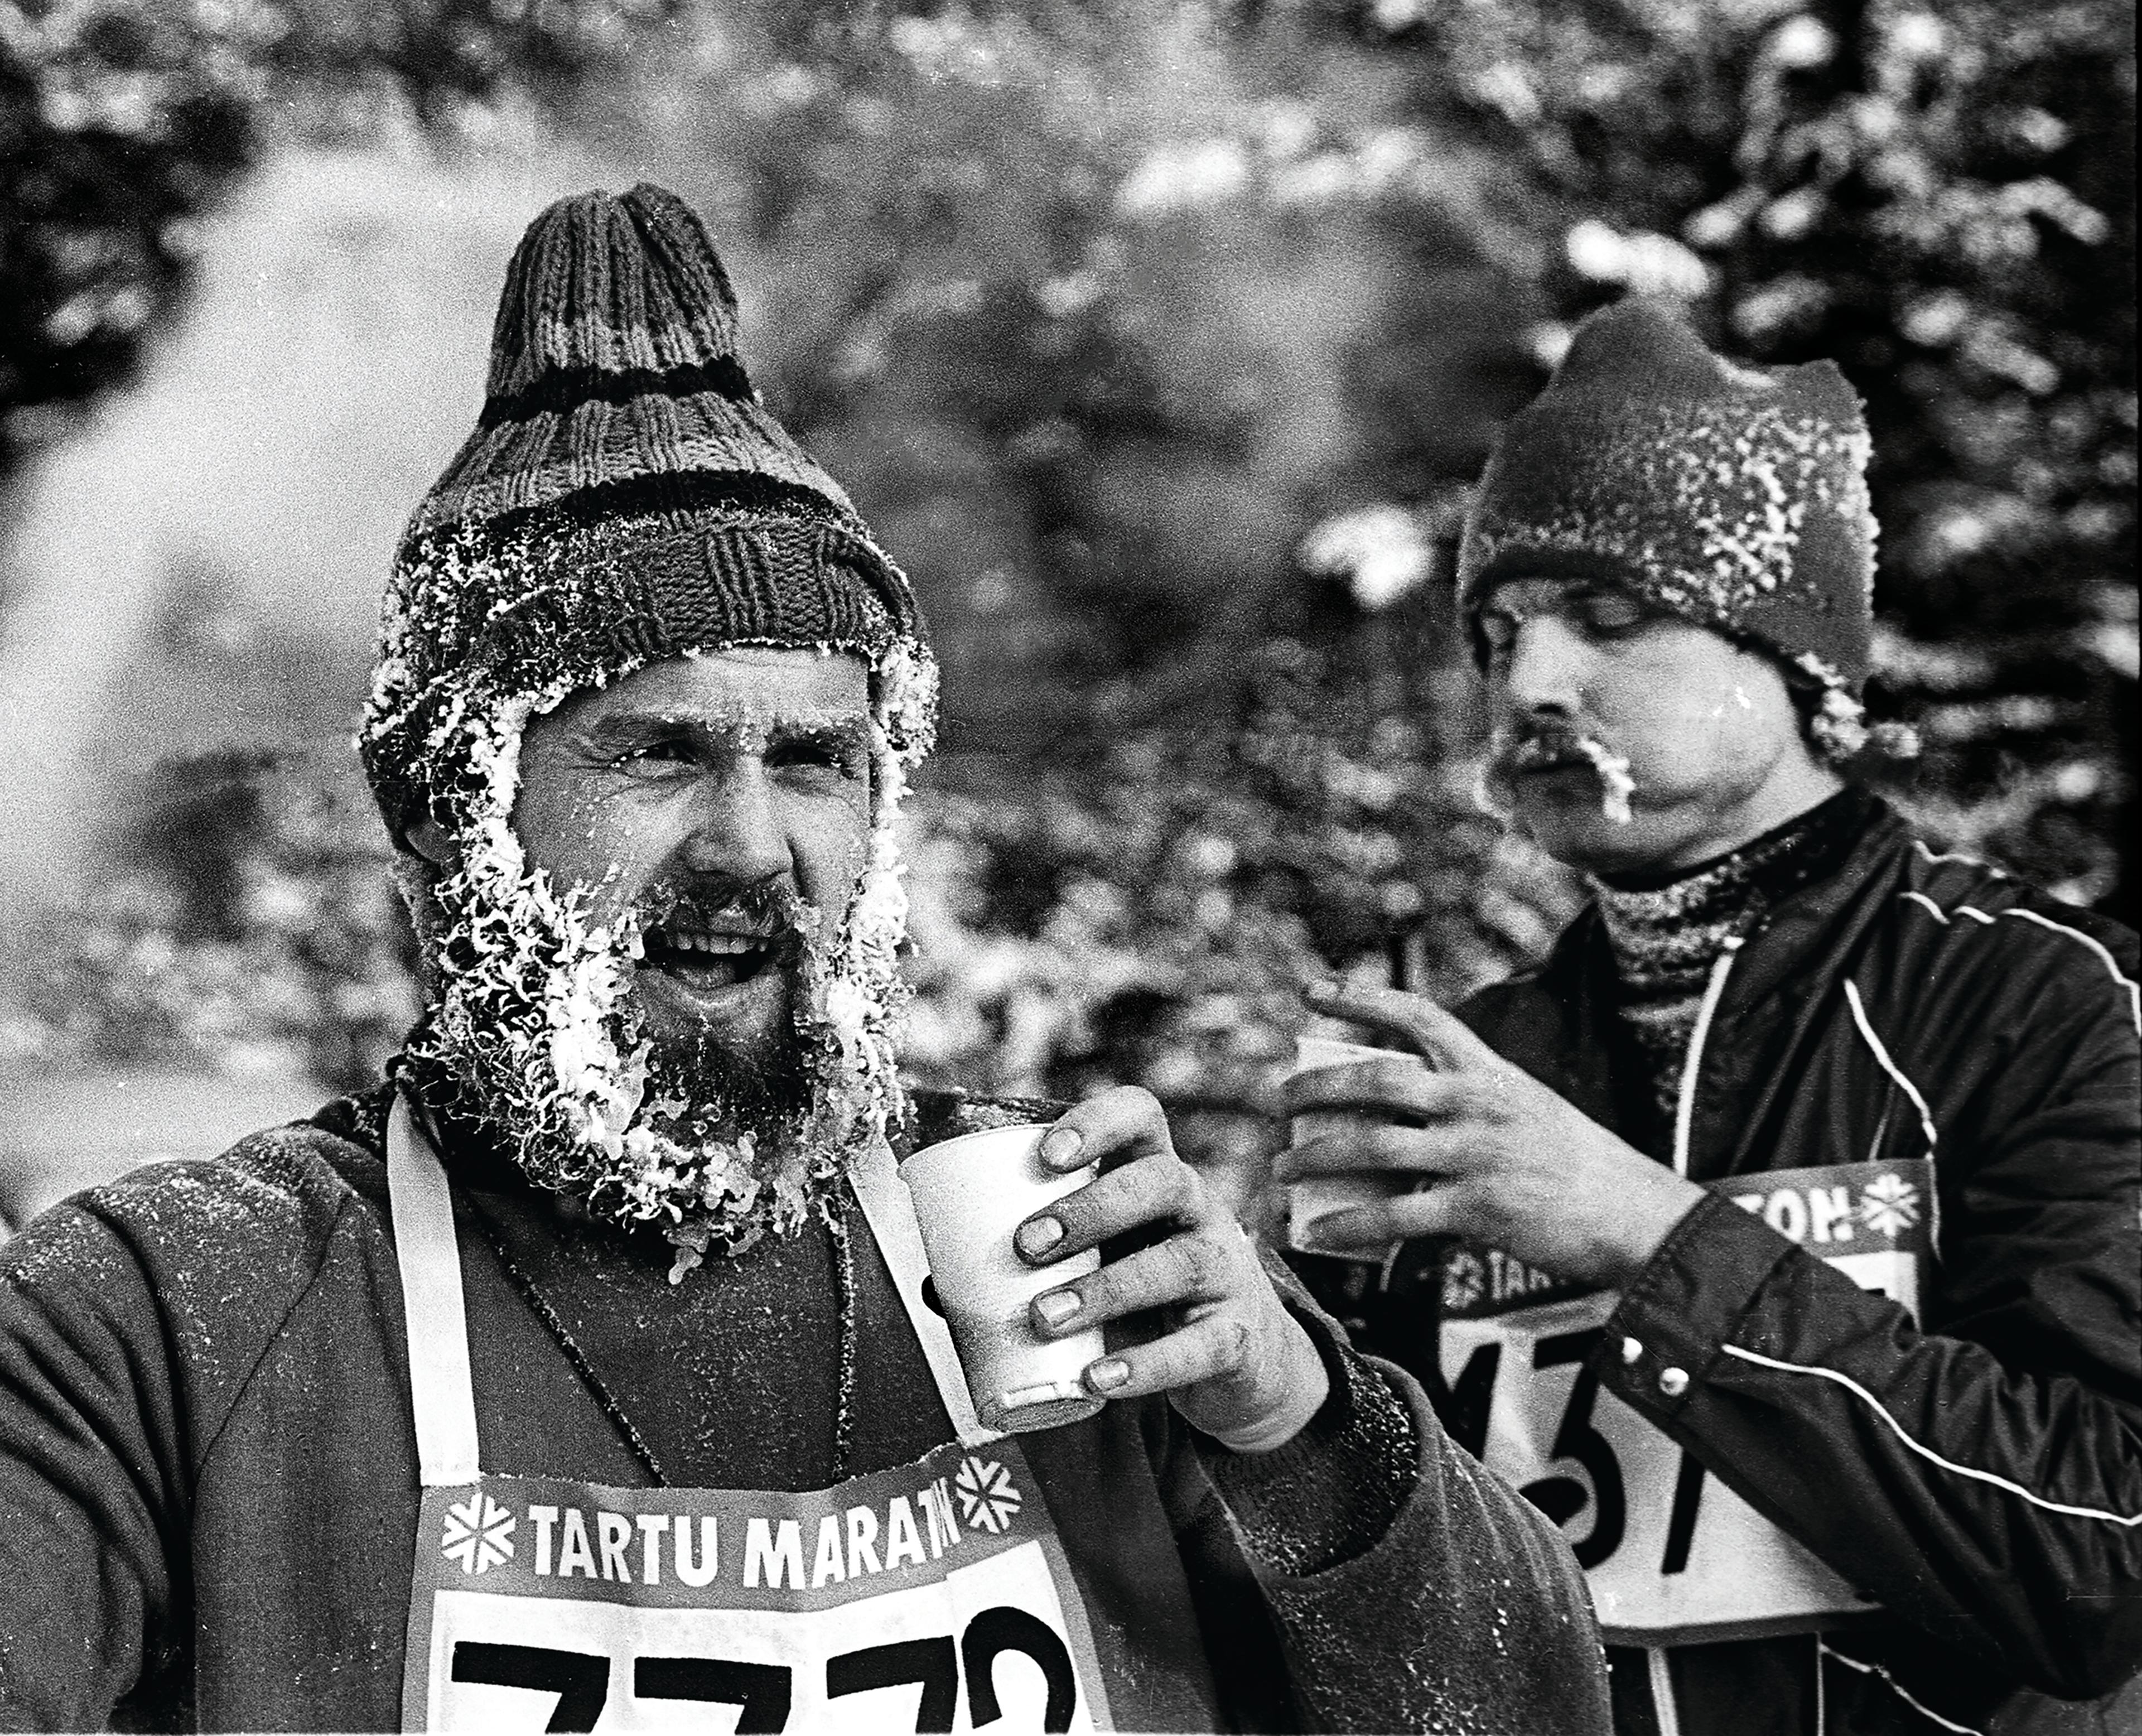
1731,496
594,597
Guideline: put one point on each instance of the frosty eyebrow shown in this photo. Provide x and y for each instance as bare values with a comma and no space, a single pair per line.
621,732
840,739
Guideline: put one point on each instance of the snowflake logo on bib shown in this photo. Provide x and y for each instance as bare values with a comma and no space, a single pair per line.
1464,1281
988,1496
1889,1205
479,1534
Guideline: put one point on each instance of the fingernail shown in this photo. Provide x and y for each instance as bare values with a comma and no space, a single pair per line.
1038,1236
1060,1147
1340,1229
1105,1377
1057,1306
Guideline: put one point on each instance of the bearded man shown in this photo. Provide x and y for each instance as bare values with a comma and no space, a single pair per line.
1799,1183
589,1362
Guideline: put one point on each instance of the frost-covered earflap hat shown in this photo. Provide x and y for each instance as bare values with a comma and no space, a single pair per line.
624,499
1733,496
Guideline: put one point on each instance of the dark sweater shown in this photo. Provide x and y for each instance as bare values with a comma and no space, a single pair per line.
684,1372
208,1490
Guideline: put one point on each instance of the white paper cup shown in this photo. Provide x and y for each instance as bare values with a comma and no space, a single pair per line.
1306,1201
970,1194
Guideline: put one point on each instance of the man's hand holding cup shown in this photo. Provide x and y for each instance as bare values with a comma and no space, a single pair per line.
1196,1315
1492,1155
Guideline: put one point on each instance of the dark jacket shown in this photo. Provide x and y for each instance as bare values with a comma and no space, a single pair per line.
208,1480
1979,1472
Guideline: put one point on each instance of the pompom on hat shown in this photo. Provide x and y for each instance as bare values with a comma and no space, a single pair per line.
625,497
1734,497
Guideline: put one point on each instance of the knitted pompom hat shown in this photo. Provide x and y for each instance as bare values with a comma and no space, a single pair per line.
1733,497
624,498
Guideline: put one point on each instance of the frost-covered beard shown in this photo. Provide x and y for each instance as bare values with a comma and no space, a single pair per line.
535,1032
719,1082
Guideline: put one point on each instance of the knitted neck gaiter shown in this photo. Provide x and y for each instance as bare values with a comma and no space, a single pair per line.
1666,935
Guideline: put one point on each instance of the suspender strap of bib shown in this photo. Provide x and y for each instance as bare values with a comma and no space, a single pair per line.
891,1215
441,1397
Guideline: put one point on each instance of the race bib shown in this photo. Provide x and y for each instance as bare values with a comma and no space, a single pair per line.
1672,1554
933,1597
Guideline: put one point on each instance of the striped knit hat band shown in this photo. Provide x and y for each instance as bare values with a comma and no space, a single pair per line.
624,497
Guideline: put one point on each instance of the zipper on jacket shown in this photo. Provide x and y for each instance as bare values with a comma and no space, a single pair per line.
1684,1108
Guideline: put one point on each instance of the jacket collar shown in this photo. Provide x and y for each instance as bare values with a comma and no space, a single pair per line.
1826,917
1557,1024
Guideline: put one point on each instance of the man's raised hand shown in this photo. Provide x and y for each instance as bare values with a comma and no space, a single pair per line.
1227,1353
1494,1156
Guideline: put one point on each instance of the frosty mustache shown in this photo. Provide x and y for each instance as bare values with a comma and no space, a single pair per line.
765,908
1543,748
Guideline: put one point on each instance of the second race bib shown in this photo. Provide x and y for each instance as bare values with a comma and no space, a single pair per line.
1672,1553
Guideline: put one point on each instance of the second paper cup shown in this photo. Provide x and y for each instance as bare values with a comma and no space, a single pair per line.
1306,1201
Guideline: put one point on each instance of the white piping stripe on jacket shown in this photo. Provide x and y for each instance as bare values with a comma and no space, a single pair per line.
1663,1705
1685,1106
2105,956
1969,861
1919,1102
2133,989
1823,1651
1940,916
1927,1452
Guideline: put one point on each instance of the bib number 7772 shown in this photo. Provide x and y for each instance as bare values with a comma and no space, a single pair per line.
764,1693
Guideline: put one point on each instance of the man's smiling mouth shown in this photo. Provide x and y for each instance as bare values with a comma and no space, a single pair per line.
707,959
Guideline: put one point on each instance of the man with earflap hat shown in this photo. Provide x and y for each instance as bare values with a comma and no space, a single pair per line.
1796,1266
591,1370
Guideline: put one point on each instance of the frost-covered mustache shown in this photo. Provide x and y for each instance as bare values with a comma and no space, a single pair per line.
1541,747
724,915
1546,746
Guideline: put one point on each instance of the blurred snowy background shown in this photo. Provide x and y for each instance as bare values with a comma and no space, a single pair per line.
1161,341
